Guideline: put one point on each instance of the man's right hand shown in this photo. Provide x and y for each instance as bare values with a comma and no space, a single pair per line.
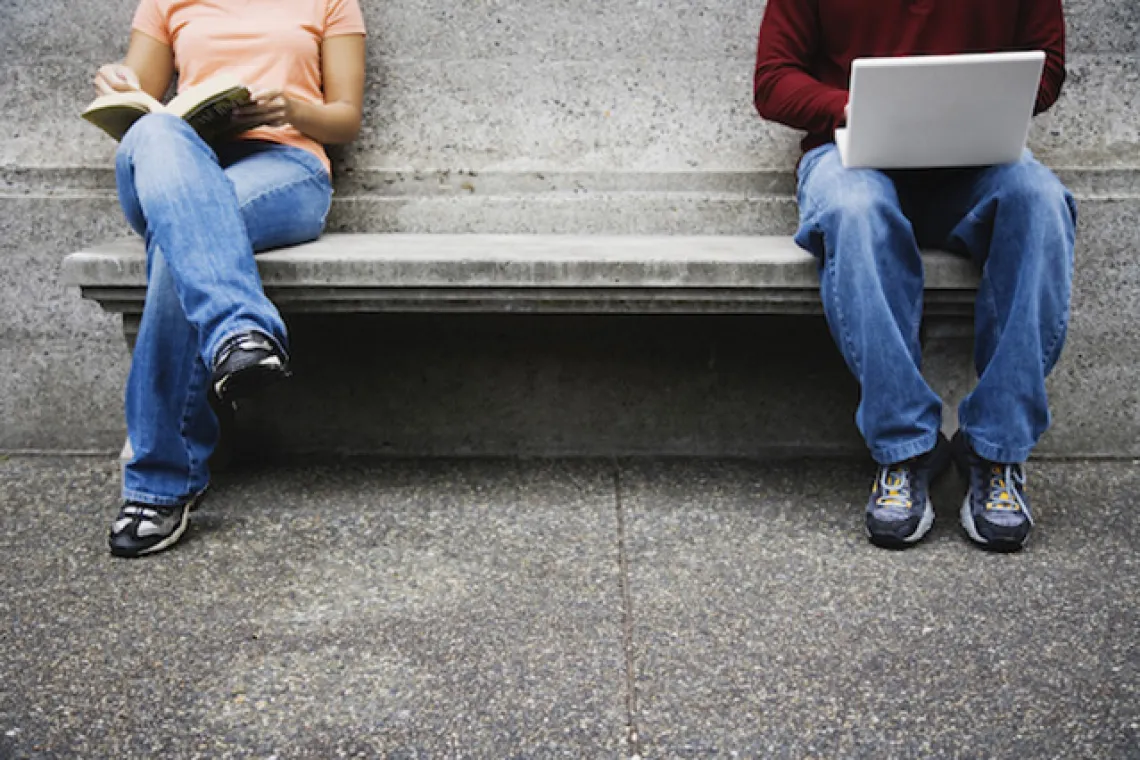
115,77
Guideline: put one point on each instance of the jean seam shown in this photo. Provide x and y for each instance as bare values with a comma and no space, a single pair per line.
129,160
807,162
916,324
1052,352
844,332
191,389
328,208
1048,358
991,305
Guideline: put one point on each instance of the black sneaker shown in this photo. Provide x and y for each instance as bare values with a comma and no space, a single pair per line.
245,364
900,512
995,513
146,528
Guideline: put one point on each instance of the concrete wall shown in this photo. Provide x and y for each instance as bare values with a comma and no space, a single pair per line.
622,116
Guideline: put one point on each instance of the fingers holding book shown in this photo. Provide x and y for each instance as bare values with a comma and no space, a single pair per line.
269,108
115,77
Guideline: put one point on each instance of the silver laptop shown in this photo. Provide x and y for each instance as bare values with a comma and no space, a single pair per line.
939,110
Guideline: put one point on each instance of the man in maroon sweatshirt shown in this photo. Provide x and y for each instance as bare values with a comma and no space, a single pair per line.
866,227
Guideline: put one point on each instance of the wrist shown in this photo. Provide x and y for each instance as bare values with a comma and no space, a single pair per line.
294,110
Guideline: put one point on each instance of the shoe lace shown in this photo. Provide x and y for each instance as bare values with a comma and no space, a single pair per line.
141,511
894,487
1005,479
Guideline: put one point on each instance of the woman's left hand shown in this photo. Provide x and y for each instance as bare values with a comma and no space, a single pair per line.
266,108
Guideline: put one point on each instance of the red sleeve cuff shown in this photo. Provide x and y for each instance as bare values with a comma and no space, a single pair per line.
836,104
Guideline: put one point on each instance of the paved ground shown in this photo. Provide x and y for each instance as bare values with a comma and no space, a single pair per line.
563,609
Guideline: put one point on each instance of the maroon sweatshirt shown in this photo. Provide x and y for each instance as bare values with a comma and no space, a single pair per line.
803,64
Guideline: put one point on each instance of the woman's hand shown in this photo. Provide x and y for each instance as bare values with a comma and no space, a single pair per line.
116,77
337,119
266,108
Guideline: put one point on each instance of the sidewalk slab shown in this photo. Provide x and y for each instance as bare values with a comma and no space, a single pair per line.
398,609
767,626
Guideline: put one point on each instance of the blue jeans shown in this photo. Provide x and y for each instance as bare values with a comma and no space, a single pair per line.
202,214
865,227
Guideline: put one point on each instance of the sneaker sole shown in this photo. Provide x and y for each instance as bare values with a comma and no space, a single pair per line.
967,518
920,531
166,543
249,381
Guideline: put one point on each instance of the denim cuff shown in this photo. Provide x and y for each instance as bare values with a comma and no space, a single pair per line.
152,500
994,453
900,452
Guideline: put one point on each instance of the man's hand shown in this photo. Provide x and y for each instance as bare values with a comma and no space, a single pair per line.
266,108
115,77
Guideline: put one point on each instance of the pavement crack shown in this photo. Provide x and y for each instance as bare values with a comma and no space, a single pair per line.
633,739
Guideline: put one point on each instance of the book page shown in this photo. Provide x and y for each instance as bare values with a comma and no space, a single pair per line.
115,113
220,88
136,99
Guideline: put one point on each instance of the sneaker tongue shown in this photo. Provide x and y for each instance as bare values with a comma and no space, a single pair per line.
1001,496
894,479
1001,499
895,488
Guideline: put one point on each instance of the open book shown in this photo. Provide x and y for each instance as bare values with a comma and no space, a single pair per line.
205,107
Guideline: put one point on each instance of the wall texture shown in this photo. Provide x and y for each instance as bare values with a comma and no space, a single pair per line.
624,116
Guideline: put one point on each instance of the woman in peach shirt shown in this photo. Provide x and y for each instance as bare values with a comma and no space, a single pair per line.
203,211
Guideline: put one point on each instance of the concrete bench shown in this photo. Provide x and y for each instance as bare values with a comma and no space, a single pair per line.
539,274
571,379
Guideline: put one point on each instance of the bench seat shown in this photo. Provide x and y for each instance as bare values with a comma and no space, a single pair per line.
528,274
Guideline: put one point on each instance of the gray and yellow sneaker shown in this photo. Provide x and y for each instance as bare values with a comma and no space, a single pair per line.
995,513
147,528
899,512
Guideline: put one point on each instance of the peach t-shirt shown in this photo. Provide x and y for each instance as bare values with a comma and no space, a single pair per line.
265,43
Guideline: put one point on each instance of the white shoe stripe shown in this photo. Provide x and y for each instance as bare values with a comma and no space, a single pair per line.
924,524
177,534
